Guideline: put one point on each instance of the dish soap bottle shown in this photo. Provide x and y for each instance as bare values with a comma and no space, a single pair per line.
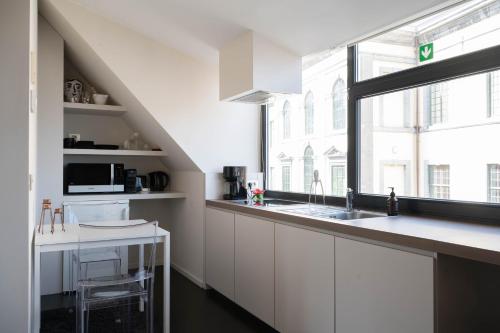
392,204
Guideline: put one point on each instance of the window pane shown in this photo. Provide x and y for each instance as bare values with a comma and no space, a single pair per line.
465,28
285,178
338,180
435,141
309,113
494,183
313,125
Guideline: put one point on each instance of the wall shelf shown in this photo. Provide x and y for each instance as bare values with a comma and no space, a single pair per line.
118,152
124,196
94,109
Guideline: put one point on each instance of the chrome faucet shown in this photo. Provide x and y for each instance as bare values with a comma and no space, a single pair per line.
349,198
315,182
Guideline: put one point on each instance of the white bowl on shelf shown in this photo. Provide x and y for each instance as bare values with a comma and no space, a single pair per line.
100,99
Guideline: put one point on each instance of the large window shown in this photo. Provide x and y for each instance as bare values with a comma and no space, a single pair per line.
309,113
421,106
312,143
408,157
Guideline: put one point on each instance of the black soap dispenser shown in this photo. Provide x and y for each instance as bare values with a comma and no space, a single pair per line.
392,204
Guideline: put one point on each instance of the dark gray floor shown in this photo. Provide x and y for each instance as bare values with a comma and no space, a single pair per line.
192,310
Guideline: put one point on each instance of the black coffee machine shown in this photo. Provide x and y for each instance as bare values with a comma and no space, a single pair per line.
234,187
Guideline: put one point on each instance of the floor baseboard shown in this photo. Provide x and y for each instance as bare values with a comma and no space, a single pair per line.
189,276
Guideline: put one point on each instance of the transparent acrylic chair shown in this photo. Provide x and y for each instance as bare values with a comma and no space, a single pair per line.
117,291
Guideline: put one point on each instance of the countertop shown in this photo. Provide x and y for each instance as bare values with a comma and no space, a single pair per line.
457,238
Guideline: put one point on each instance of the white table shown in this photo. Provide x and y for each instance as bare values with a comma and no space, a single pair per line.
64,241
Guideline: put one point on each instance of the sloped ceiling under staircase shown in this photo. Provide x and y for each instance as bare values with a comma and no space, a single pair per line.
172,98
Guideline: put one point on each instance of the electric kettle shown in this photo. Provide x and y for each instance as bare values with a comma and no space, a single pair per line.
158,181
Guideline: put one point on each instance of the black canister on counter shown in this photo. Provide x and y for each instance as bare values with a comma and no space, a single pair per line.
392,204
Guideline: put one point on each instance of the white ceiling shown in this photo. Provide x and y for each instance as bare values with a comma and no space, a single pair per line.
201,27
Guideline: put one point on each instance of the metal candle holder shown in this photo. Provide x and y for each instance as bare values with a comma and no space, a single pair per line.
46,207
57,211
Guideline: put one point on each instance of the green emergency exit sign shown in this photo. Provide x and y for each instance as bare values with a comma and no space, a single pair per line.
426,52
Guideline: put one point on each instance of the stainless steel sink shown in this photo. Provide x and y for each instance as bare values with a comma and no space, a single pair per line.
355,215
330,213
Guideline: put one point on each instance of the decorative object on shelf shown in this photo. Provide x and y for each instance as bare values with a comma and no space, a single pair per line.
73,91
57,212
69,142
158,181
144,183
46,207
134,141
100,99
88,90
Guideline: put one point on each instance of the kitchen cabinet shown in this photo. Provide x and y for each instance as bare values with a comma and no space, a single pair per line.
219,251
254,266
305,280
382,290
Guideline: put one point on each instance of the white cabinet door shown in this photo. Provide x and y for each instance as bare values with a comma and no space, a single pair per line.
382,290
305,280
254,266
219,251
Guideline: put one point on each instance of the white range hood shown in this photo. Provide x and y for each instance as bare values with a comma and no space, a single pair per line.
252,69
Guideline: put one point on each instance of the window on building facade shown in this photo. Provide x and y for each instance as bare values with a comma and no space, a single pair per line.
494,183
309,113
308,168
287,126
338,180
439,181
438,103
339,104
285,178
494,92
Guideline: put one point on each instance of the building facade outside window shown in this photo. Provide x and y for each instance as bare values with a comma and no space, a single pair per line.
339,104
309,113
308,168
285,178
439,181
438,96
494,183
286,120
338,180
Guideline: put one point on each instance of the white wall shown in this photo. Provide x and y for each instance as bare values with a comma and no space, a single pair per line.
179,92
172,100
50,138
15,237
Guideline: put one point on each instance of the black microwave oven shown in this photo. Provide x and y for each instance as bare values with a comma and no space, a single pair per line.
95,178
